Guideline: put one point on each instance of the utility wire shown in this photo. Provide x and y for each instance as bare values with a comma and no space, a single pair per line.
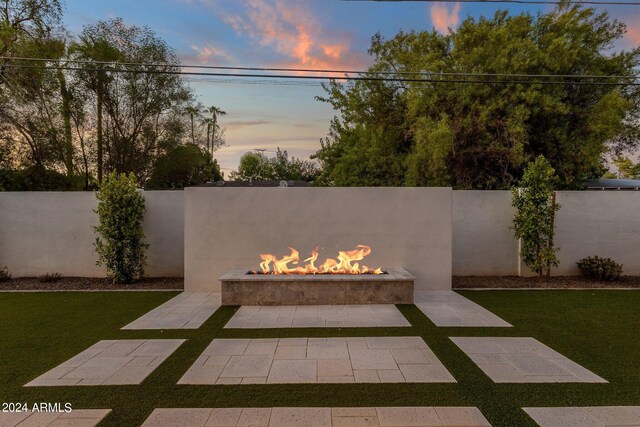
323,71
175,71
589,2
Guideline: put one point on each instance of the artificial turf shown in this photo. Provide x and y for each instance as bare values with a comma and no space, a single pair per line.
598,329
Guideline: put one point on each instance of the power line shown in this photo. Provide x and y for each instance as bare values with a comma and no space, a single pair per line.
258,82
323,71
175,71
544,2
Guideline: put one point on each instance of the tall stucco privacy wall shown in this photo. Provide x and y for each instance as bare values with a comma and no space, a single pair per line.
603,223
483,244
227,228
51,232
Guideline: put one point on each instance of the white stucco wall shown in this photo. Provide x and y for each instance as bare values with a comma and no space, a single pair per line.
603,223
483,245
44,232
47,232
227,228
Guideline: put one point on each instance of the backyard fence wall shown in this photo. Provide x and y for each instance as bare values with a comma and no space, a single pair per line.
603,223
51,232
227,228
44,232
482,241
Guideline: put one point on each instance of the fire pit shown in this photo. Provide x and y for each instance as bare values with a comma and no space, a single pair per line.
341,281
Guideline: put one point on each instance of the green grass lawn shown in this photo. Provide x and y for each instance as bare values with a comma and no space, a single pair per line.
598,329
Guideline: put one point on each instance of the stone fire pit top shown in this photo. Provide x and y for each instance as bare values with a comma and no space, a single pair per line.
243,275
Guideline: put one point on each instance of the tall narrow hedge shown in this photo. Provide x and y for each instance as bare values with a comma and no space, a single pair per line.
119,243
535,211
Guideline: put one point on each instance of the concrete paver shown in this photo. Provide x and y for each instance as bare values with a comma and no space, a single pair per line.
126,362
317,360
523,360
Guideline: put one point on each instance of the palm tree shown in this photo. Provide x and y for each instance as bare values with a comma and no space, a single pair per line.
208,122
193,111
93,48
215,112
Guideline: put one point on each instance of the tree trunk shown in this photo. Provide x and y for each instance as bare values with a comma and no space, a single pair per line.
193,137
552,220
99,125
66,115
208,135
213,133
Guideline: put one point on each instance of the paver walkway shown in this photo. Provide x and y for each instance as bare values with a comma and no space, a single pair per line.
318,417
76,418
189,310
448,308
110,362
523,360
317,360
593,416
317,316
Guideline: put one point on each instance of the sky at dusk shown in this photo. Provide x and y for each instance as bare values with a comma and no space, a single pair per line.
320,34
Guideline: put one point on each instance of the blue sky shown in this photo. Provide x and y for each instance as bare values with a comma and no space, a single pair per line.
325,34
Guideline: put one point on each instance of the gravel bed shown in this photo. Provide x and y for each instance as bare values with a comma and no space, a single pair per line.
90,283
560,282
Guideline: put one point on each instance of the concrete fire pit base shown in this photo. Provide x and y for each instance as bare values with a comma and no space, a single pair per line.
242,288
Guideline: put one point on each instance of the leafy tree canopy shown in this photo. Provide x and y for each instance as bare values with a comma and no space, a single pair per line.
255,165
626,168
183,166
481,135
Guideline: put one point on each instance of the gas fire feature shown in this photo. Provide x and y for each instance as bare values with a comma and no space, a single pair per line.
347,263
245,287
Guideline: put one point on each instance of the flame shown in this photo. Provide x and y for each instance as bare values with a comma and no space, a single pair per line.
347,263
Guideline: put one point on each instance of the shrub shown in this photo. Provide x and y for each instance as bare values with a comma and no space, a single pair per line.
49,277
4,274
604,269
534,218
37,178
119,244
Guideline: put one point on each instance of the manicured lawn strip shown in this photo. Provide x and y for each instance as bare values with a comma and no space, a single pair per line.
597,329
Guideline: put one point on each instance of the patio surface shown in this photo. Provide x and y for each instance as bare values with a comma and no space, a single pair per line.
589,416
76,418
523,360
110,362
317,360
594,328
317,316
448,308
318,417
188,310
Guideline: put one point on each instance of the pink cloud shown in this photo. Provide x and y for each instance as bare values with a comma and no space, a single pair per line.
295,33
206,53
442,19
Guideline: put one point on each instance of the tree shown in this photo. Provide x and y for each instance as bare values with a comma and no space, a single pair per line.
482,135
183,166
95,49
141,104
533,223
30,115
119,244
25,24
626,168
255,165
194,112
293,168
217,138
